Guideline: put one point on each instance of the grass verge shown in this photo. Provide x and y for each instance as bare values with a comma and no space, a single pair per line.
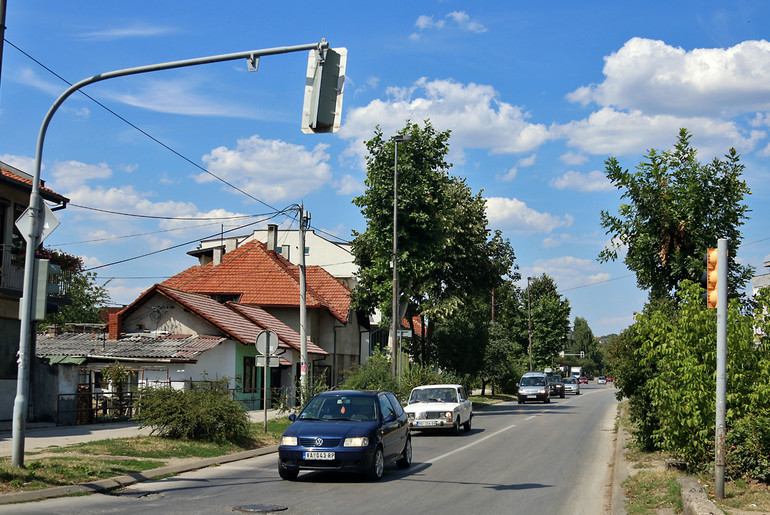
479,401
102,459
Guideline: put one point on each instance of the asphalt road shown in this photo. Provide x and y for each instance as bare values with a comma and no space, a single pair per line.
533,458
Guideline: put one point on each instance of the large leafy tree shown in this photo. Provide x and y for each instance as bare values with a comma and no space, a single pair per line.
446,255
85,298
675,208
550,321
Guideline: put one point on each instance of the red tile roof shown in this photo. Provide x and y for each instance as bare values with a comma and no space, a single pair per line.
267,321
259,277
46,193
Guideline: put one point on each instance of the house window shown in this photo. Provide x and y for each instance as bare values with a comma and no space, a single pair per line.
284,251
249,374
307,251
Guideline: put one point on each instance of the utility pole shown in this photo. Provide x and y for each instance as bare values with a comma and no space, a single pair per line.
721,394
529,316
304,220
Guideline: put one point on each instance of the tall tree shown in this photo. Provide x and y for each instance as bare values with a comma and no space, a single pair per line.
550,321
446,257
675,208
582,338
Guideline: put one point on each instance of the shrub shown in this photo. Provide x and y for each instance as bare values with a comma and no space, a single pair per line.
748,448
204,414
375,374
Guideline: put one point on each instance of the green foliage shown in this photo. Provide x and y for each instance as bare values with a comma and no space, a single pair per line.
375,374
447,256
417,375
748,448
206,413
674,209
117,374
674,390
550,321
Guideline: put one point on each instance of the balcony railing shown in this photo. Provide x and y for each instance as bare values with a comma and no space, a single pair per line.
12,276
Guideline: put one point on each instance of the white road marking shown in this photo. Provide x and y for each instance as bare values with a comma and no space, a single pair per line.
434,460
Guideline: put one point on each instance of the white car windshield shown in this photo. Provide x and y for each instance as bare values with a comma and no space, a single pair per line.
433,395
533,381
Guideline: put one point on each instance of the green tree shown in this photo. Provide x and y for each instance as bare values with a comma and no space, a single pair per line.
550,321
86,296
446,255
675,208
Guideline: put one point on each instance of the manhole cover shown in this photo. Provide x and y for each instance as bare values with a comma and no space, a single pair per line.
260,508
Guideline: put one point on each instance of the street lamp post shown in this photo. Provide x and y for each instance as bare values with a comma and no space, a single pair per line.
395,322
529,316
35,213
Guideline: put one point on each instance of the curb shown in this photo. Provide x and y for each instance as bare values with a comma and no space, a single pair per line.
106,485
695,501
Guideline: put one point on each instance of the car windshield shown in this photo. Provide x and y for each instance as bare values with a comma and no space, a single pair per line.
555,379
532,381
570,380
433,395
340,407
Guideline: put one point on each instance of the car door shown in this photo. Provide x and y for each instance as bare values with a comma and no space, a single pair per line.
465,405
403,422
389,431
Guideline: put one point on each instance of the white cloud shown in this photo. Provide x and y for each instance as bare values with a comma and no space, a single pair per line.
70,175
474,113
143,30
570,271
24,163
508,175
556,240
28,77
612,132
270,170
573,159
657,78
454,20
349,185
588,182
187,96
510,214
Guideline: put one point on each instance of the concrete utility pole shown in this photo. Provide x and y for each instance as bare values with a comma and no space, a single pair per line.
303,221
396,318
721,394
36,216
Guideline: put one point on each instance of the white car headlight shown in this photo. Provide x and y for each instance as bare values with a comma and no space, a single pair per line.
289,440
356,441
448,415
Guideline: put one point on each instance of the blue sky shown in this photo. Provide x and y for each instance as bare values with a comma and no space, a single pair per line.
537,96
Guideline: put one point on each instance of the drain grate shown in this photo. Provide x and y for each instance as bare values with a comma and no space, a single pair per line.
260,508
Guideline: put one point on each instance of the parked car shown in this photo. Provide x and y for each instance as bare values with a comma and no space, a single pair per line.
556,385
571,385
439,406
583,380
601,380
533,386
346,431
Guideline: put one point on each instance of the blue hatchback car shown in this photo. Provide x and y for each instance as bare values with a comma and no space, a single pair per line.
346,431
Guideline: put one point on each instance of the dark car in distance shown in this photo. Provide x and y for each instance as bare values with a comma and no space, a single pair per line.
556,385
347,430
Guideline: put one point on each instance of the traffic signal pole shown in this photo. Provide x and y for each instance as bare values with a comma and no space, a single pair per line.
36,216
721,393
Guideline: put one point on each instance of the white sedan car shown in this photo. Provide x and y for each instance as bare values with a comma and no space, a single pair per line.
439,406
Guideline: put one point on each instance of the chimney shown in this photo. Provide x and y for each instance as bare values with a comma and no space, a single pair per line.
272,237
114,326
217,256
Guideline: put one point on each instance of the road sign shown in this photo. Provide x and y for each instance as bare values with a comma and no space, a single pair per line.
404,333
273,363
267,343
47,224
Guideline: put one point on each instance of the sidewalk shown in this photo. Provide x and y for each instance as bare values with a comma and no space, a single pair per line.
38,436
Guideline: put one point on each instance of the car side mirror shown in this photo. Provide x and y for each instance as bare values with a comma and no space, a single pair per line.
390,418
292,417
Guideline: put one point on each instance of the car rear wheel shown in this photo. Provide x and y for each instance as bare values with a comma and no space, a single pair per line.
377,467
287,474
406,456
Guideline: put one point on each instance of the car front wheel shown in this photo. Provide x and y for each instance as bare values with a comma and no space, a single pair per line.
406,456
467,425
377,467
287,474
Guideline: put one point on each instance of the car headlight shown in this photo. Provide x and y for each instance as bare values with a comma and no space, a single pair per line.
356,441
448,415
542,391
289,440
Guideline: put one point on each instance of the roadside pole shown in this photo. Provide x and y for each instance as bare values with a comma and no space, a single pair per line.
721,393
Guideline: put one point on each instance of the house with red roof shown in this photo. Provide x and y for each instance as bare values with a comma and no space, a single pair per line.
255,274
15,189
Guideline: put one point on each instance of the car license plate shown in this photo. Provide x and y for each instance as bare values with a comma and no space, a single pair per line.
425,423
316,455
531,396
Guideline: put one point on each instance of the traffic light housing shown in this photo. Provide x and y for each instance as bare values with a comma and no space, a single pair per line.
324,84
45,283
712,275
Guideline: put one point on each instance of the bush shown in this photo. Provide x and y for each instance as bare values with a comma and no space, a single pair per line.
205,414
375,374
748,448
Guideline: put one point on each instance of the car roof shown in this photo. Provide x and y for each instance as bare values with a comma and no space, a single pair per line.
363,393
534,374
437,386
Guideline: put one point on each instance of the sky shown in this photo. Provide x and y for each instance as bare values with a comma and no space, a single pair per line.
537,96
